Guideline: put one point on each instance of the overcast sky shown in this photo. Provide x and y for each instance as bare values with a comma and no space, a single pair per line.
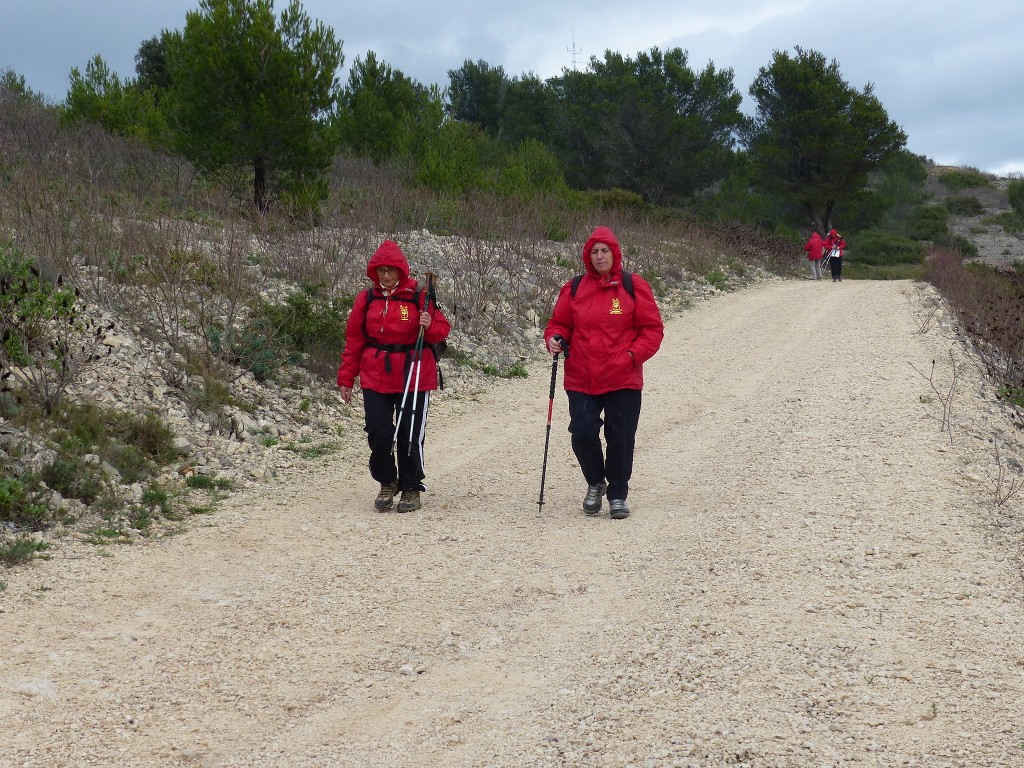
950,72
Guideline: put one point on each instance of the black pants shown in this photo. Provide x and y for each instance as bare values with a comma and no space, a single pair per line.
836,265
381,409
621,410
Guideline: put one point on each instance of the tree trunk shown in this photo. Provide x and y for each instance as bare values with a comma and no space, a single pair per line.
259,185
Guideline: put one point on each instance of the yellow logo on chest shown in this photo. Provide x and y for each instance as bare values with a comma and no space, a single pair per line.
404,313
616,308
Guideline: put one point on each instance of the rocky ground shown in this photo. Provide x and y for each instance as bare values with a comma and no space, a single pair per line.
995,246
816,572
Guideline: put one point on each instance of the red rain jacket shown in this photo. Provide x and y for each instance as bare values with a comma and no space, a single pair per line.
392,320
814,246
603,324
834,240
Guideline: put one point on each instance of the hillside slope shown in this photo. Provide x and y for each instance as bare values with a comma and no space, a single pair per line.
814,574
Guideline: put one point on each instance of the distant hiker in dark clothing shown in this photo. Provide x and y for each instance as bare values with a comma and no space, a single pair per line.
834,246
815,250
380,342
610,325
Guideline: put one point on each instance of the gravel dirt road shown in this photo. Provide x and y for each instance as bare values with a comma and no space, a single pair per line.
814,574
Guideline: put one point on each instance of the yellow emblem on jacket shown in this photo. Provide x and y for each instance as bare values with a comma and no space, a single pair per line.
616,308
405,312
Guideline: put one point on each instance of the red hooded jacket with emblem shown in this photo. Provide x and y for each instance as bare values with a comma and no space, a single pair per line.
390,319
835,240
603,324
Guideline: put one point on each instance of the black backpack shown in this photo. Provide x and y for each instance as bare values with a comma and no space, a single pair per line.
627,283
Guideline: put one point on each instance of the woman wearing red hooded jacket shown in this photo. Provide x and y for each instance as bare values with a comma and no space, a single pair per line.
380,340
815,250
608,333
835,245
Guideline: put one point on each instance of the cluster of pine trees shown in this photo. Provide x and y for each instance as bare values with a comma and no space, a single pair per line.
242,87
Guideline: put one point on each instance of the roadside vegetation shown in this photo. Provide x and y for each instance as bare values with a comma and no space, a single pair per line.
235,238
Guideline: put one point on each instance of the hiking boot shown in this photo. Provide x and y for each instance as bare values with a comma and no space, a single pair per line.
386,497
618,509
592,503
409,502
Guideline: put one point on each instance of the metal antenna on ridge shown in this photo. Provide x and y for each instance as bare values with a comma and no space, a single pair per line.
574,50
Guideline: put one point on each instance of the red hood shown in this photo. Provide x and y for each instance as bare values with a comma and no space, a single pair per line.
603,235
388,254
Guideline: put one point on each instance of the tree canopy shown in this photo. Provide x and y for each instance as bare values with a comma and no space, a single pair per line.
385,114
814,138
249,90
651,125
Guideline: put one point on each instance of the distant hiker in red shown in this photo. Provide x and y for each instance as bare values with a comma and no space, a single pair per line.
608,324
380,345
815,248
834,246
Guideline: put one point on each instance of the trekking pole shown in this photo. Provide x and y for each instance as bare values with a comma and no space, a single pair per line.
418,361
547,434
404,394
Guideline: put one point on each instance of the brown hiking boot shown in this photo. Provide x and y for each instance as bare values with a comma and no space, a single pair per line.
409,502
386,497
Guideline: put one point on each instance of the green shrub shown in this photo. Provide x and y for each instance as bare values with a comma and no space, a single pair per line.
1011,222
21,550
959,179
718,279
22,506
616,199
965,205
1015,191
131,443
929,222
74,478
881,248
307,329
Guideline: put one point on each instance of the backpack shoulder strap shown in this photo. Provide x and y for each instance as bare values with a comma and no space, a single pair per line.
627,283
575,285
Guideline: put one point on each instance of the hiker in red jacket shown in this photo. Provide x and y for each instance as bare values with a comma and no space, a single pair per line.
834,246
380,342
608,324
815,250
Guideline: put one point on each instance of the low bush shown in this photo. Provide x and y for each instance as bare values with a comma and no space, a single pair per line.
881,248
21,549
958,179
1015,193
964,205
990,305
929,222
23,505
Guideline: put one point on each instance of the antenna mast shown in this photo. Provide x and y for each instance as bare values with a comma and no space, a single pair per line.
574,50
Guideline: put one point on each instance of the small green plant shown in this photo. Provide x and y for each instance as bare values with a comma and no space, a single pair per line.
313,451
140,518
209,482
21,549
718,279
1011,394
156,497
106,534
